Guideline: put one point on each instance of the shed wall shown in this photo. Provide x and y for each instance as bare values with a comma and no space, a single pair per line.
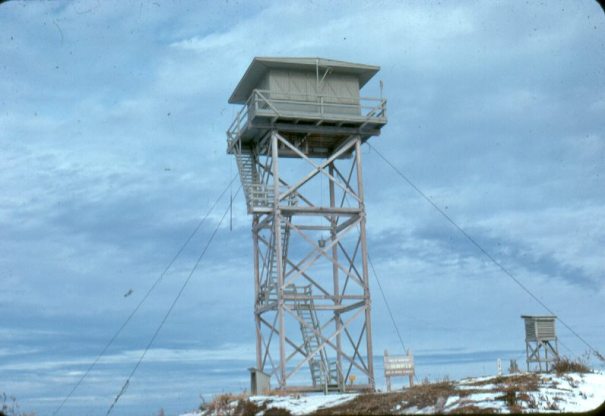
545,329
264,83
530,329
293,89
344,87
287,84
540,329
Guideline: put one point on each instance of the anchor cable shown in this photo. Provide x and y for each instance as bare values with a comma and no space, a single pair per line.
169,311
138,306
387,304
485,252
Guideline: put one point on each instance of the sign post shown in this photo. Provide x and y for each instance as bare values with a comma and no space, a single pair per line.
398,365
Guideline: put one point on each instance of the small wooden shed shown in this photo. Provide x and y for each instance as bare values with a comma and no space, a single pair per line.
260,382
541,346
540,327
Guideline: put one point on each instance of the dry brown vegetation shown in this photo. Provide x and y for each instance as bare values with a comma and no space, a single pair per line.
229,404
567,365
518,393
224,404
10,407
423,395
515,390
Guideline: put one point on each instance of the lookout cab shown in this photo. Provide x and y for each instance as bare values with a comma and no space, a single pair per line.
315,103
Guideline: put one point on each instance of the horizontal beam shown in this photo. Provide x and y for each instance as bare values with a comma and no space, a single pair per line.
321,129
268,226
299,210
321,297
294,210
273,306
313,227
320,388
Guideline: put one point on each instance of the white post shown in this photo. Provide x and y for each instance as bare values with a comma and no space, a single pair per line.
386,376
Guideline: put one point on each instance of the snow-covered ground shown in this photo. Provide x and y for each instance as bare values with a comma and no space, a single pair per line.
572,392
298,404
527,393
303,405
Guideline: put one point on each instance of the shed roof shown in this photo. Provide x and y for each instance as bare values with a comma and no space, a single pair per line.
539,317
260,65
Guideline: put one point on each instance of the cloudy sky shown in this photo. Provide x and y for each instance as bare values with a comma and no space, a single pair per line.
112,147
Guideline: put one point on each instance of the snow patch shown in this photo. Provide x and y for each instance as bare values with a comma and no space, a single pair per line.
571,392
302,405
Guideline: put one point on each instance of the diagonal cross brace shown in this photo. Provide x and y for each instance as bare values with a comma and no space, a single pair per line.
319,168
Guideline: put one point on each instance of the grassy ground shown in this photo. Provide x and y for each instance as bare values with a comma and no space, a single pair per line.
515,393
511,390
434,394
385,403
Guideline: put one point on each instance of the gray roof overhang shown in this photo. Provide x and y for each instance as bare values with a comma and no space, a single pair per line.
260,65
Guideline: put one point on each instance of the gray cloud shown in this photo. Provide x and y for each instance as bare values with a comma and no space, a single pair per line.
513,255
112,120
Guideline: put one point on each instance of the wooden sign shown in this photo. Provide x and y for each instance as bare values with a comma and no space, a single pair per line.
398,365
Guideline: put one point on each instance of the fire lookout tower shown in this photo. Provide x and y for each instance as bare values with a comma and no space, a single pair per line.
297,143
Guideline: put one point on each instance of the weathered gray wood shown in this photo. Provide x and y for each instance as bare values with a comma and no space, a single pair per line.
540,338
314,114
364,259
398,365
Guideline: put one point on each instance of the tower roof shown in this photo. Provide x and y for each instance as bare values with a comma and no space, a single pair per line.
538,317
260,65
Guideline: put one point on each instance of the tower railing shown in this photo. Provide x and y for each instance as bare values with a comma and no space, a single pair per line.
314,106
